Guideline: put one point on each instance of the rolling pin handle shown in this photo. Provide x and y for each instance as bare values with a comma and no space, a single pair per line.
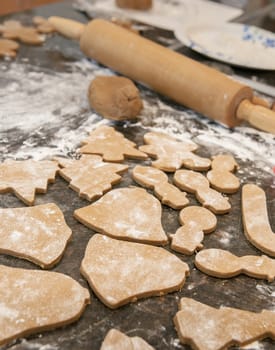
67,27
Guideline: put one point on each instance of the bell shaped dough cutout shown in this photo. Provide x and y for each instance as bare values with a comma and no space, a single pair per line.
90,176
207,328
172,154
38,233
223,264
194,182
196,222
126,213
120,272
157,180
255,219
26,177
111,144
116,340
33,301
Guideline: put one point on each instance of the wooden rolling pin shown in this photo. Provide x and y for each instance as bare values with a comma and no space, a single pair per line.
184,80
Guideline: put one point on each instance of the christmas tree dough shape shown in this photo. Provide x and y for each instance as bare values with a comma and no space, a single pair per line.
90,176
38,233
223,264
120,272
207,328
33,301
172,154
116,340
125,213
26,177
111,144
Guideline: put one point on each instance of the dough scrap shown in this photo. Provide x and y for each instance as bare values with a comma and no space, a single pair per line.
8,48
90,176
207,328
197,183
172,154
15,30
223,264
120,272
221,177
26,177
38,234
32,301
114,97
125,213
116,340
255,219
135,4
196,222
111,144
156,179
43,25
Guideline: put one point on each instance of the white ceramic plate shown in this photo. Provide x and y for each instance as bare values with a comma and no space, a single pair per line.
233,43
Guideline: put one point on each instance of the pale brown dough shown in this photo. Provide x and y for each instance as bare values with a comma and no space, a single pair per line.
156,179
15,30
223,264
111,144
90,176
43,25
135,4
26,177
121,272
125,213
114,97
8,48
116,340
207,328
33,301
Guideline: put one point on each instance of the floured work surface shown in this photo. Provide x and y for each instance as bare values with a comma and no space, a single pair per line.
53,122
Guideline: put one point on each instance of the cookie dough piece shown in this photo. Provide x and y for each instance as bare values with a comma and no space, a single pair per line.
33,301
120,272
8,48
135,4
111,144
90,176
15,30
116,340
196,222
195,182
43,25
207,328
38,234
223,264
172,154
114,97
255,219
26,177
158,181
221,177
125,213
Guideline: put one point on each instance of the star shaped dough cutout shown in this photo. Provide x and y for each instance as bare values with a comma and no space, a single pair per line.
26,177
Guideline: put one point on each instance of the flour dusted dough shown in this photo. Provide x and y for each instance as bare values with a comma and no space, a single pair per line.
38,233
32,301
125,213
43,25
26,177
8,48
114,97
116,340
120,272
135,4
15,30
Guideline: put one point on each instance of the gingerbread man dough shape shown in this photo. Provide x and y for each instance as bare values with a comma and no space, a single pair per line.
255,219
26,177
15,30
172,154
207,328
221,177
111,144
33,301
223,264
126,213
8,48
90,176
120,272
196,222
156,179
195,182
